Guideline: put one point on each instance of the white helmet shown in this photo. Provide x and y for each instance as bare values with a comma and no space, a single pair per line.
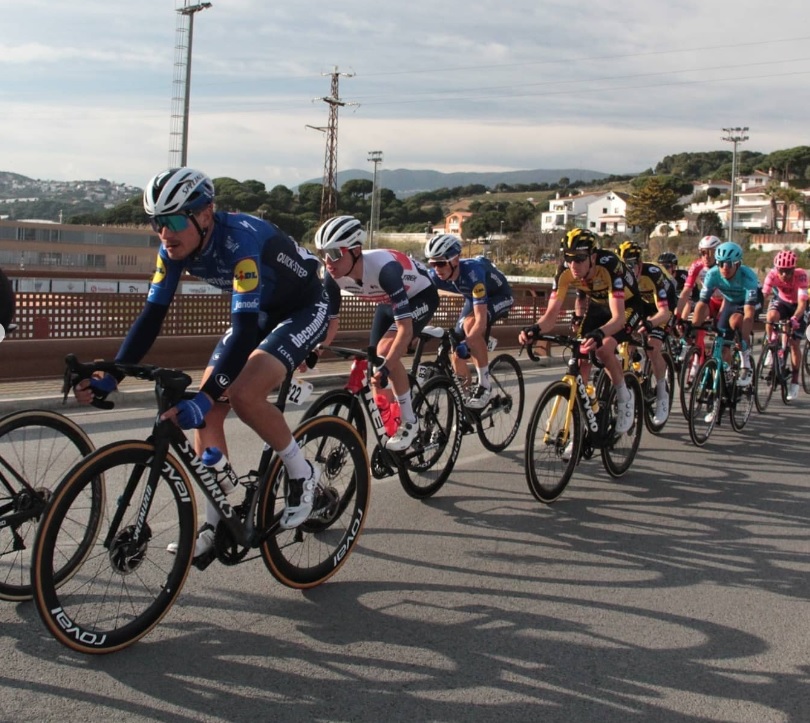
444,245
177,190
709,242
340,232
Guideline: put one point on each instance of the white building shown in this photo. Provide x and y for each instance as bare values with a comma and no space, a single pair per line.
565,212
607,213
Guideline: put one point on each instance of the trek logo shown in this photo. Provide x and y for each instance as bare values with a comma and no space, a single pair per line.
245,276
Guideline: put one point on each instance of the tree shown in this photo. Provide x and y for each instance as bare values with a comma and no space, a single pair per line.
708,223
652,204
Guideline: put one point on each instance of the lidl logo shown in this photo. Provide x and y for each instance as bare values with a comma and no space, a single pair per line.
479,291
160,271
245,276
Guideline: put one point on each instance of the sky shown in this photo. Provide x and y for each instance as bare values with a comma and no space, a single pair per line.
86,86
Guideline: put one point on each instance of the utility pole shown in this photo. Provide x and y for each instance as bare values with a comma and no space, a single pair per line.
735,136
329,193
181,95
374,222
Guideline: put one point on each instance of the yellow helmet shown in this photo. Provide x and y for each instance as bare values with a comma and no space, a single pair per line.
630,250
578,239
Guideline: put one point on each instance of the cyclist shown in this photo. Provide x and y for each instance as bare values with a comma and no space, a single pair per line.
657,289
788,284
487,298
406,300
613,309
669,262
739,287
278,314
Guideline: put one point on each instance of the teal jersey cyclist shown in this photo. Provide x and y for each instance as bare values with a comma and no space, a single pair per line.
278,314
739,287
487,298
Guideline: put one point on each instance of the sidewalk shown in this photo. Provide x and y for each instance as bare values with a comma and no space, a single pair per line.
47,393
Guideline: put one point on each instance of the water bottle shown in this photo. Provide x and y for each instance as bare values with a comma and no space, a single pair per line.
357,376
213,458
389,412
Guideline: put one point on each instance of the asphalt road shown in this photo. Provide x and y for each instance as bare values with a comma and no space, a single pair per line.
678,593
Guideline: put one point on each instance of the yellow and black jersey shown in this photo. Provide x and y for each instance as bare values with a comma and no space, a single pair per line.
657,287
610,278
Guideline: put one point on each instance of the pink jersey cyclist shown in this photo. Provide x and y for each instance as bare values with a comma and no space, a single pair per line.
790,289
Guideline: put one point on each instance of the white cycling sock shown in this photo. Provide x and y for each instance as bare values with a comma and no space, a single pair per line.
406,408
294,460
483,377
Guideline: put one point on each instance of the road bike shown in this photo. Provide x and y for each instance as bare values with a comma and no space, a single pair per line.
806,361
716,388
37,448
635,358
699,347
497,423
425,466
142,548
569,422
774,367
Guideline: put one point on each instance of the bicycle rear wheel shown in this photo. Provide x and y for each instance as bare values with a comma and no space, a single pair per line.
704,402
764,379
128,579
742,402
37,449
340,403
311,553
552,452
499,421
426,465
619,453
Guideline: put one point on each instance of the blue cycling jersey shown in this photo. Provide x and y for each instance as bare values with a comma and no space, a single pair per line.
478,280
269,276
739,289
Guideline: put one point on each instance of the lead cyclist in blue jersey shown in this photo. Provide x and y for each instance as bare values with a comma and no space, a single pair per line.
487,298
278,315
739,286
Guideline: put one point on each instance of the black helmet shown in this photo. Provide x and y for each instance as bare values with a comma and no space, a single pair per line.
668,259
578,239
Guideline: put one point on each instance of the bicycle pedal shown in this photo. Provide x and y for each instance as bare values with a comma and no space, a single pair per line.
205,559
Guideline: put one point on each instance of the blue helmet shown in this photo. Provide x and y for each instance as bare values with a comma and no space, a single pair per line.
728,251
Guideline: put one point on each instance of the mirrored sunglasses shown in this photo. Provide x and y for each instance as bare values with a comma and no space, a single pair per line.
438,263
334,254
174,222
727,263
575,258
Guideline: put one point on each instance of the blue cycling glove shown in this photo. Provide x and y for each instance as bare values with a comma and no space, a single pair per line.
102,386
191,412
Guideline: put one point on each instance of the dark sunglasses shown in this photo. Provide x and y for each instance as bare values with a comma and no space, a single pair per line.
727,263
787,272
438,264
174,222
576,258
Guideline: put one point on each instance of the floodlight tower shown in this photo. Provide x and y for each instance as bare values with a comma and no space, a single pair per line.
735,136
329,192
181,84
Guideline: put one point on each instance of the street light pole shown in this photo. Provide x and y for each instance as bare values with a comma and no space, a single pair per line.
735,136
375,157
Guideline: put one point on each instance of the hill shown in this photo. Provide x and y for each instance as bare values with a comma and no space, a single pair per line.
404,182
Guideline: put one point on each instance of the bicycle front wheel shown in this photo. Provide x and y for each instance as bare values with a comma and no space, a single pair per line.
686,379
742,402
618,453
764,379
37,449
426,465
553,443
499,421
128,579
806,367
704,402
650,394
310,554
